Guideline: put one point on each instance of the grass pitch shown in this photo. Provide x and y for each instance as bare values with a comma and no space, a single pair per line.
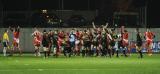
29,64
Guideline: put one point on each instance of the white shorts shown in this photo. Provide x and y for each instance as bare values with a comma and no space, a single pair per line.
45,48
77,42
36,47
16,40
116,46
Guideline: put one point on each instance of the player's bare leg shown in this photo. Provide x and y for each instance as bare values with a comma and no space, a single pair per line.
98,50
109,51
19,49
129,51
150,50
37,51
11,50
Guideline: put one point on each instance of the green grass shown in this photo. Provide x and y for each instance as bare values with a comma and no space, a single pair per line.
29,64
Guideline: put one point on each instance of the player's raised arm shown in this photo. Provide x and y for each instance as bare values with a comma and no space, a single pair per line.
18,28
122,29
141,35
106,25
11,28
33,33
93,25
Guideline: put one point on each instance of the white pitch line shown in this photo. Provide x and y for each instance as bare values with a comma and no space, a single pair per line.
26,64
62,69
53,69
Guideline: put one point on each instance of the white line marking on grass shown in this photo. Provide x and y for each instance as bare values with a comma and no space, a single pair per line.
64,69
54,69
40,69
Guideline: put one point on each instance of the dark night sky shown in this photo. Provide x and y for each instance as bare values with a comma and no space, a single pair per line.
104,6
49,4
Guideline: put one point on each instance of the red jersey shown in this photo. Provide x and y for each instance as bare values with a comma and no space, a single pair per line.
16,34
125,39
16,38
67,40
37,38
61,37
149,36
77,34
125,36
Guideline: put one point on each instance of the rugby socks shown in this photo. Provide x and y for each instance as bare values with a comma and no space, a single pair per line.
117,53
83,53
124,51
39,54
140,52
36,52
54,51
109,52
150,52
97,52
48,53
113,50
45,54
4,51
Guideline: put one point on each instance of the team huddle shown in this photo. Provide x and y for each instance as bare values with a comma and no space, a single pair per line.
96,41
